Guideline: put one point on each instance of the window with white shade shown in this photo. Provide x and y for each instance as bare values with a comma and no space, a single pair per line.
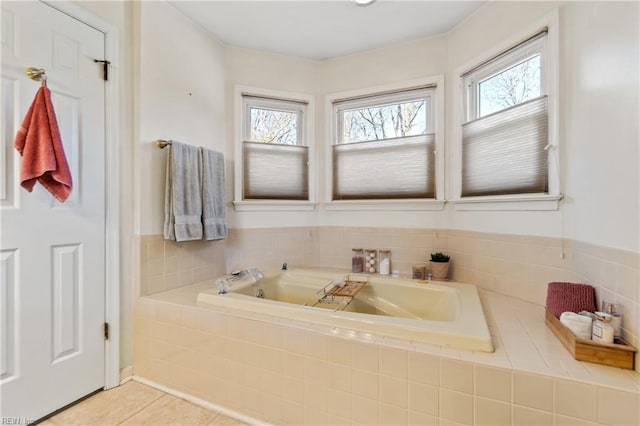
384,146
275,152
505,134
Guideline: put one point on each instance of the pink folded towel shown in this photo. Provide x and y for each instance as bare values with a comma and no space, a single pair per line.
569,297
39,143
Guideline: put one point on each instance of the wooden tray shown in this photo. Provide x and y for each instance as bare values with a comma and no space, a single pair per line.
350,289
619,354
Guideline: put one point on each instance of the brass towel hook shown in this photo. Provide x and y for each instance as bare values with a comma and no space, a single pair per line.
36,74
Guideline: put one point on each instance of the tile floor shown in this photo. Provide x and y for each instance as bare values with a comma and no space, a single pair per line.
136,404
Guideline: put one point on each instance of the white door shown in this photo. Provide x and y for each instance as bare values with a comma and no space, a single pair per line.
52,255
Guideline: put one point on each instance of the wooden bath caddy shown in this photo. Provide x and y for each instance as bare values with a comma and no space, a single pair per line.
334,297
350,289
618,354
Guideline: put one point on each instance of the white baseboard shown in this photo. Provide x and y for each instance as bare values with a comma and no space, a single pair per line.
126,374
201,402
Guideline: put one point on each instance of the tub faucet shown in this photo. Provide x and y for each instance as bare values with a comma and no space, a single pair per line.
253,274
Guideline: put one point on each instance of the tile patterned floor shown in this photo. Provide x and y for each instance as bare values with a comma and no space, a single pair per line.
136,404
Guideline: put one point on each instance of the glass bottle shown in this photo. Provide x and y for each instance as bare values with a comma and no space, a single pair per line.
384,262
357,260
370,261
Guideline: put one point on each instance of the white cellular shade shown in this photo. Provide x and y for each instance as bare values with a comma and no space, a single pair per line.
504,153
389,169
275,171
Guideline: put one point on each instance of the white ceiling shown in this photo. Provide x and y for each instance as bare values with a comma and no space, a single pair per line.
323,29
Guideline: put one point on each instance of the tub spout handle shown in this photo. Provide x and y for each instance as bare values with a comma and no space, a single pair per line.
223,285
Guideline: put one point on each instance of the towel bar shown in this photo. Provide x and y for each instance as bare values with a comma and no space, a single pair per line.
161,143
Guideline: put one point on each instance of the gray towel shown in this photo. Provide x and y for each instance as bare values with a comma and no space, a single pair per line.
182,198
214,209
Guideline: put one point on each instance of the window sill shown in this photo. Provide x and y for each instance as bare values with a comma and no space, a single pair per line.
390,205
533,202
273,205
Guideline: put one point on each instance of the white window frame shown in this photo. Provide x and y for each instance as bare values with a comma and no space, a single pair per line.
436,122
550,62
275,99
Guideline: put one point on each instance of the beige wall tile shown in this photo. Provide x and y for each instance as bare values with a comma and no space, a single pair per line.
339,403
393,391
491,412
560,420
293,389
316,371
392,415
493,383
273,335
424,398
272,383
293,413
294,341
339,377
339,351
155,247
272,360
424,368
364,383
169,313
456,406
293,365
393,362
365,410
416,418
316,346
618,408
365,356
456,375
576,399
533,391
272,408
523,416
315,396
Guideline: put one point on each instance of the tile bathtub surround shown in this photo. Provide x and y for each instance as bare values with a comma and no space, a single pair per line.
513,265
165,265
286,372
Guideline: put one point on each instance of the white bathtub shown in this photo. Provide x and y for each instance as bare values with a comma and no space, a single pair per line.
448,314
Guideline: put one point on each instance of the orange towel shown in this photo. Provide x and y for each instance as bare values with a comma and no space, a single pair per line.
39,143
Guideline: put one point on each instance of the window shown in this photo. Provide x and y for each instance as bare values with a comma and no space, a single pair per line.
505,131
385,146
275,152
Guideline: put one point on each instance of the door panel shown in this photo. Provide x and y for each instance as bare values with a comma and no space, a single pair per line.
52,255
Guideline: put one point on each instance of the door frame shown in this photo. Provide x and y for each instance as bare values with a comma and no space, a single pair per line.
112,190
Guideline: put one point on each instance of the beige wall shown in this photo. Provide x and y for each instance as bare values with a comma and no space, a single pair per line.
600,110
182,97
596,105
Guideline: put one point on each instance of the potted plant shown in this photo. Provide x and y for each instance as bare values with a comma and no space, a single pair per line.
439,266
